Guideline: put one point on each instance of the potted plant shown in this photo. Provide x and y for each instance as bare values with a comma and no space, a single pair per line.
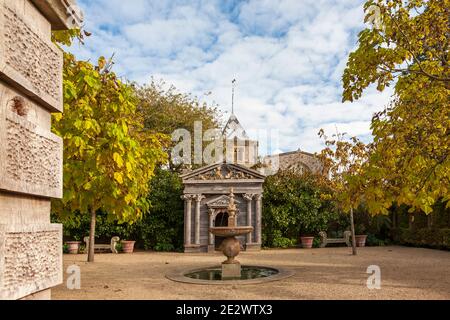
306,241
73,246
307,236
360,235
127,246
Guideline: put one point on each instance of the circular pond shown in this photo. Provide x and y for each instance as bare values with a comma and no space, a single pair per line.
247,272
213,275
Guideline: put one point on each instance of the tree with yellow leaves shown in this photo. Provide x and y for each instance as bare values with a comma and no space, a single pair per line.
109,158
409,159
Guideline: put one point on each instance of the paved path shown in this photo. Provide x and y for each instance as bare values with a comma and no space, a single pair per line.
328,273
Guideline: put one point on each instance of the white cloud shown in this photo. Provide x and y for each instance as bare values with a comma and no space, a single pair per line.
287,56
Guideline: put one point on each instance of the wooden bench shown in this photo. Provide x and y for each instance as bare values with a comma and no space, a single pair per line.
325,240
104,247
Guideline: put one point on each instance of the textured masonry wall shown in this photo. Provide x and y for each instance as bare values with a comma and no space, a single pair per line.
30,154
28,58
32,158
32,57
31,259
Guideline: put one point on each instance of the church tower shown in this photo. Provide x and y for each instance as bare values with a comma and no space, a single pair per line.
239,148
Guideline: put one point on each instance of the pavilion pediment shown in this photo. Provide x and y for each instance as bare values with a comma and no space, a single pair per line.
223,171
222,201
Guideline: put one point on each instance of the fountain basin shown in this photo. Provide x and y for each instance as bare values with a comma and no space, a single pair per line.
230,231
251,274
247,273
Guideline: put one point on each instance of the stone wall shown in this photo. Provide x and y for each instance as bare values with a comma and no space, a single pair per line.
296,160
31,259
30,154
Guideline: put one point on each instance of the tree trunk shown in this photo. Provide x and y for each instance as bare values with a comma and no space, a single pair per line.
92,237
352,225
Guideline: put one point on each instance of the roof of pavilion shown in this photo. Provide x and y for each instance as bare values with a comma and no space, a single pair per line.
223,171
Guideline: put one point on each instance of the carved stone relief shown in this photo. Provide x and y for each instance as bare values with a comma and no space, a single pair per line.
36,63
32,161
224,172
31,260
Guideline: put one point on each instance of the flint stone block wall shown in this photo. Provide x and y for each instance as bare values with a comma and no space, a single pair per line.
30,155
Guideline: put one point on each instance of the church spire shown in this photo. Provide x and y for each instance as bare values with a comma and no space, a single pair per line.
233,84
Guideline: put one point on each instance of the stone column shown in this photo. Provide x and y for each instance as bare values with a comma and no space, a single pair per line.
211,244
30,154
258,198
187,218
249,198
198,200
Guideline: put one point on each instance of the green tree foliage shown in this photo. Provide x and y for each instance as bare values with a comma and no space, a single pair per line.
161,228
409,160
108,156
295,204
166,110
342,166
342,163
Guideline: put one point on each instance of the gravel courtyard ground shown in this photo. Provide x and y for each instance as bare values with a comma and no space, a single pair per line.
327,273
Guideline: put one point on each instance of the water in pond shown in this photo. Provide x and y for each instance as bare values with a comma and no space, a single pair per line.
247,273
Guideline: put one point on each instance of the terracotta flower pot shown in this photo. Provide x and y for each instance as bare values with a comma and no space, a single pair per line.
360,240
127,246
307,242
73,246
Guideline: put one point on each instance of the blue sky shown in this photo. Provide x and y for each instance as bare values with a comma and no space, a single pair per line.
287,56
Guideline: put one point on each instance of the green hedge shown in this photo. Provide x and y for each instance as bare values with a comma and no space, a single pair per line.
294,205
428,238
160,229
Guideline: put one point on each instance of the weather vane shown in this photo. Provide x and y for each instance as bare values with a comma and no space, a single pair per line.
233,85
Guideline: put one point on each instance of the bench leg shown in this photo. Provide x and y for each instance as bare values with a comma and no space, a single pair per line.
347,235
114,241
323,237
86,240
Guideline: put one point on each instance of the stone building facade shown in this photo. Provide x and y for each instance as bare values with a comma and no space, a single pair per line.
299,161
30,155
206,189
206,201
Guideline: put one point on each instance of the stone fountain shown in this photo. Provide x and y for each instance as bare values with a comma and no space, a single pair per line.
231,268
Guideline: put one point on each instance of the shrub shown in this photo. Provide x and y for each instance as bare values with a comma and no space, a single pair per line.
294,205
279,241
161,228
316,242
428,238
373,241
119,247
